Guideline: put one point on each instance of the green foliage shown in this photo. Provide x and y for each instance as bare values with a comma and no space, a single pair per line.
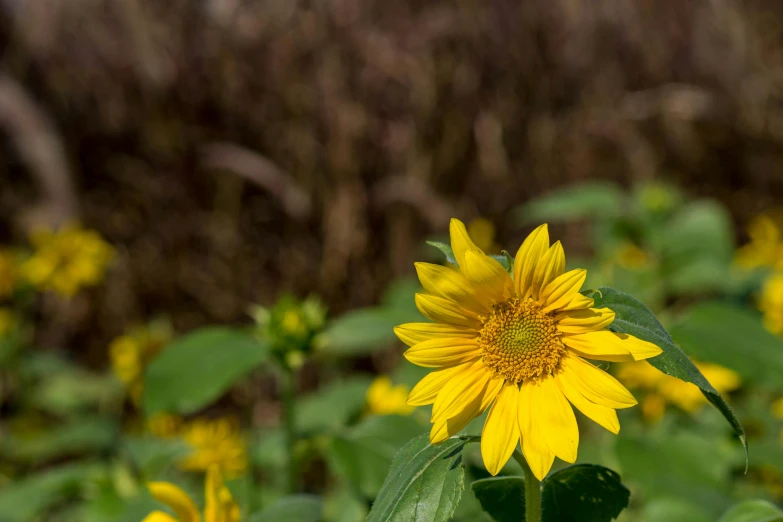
424,483
90,435
583,493
293,508
446,249
502,497
633,318
723,333
573,202
753,511
333,405
198,368
364,331
364,452
580,493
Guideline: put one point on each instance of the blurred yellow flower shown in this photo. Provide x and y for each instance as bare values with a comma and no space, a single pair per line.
662,389
385,399
777,408
164,425
215,442
771,303
765,248
631,257
482,231
67,260
8,273
7,321
132,352
219,505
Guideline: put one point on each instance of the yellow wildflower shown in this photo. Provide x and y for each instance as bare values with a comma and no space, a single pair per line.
7,321
662,389
131,353
771,303
522,343
385,399
67,260
765,248
482,231
631,257
219,505
777,408
215,442
8,273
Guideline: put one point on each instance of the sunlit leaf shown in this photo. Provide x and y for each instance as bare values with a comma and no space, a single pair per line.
753,511
198,368
632,317
424,483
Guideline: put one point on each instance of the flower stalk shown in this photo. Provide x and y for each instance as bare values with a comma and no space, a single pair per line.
532,491
289,420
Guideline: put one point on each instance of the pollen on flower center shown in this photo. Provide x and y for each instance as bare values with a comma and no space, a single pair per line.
520,342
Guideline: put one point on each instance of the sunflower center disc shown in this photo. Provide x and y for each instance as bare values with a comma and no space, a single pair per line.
520,342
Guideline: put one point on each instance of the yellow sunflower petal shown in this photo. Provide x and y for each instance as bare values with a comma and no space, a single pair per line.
583,321
458,393
579,302
444,429
500,435
528,256
451,284
639,349
414,333
176,499
442,310
603,345
554,420
562,289
159,516
437,353
572,388
219,505
536,453
487,274
461,242
597,385
426,390
551,265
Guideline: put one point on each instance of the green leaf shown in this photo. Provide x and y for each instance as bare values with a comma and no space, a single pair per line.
732,337
293,508
633,318
364,453
586,200
670,509
89,435
583,493
502,497
446,249
424,483
198,368
152,454
753,511
24,499
332,406
364,331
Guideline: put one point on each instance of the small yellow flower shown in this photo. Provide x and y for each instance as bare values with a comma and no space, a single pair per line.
663,389
7,321
771,303
219,505
131,353
67,260
217,442
385,399
8,273
631,257
523,344
482,232
765,248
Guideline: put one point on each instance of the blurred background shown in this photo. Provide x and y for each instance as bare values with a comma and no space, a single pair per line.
223,162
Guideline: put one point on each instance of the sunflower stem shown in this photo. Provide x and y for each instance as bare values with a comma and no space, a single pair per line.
532,491
289,419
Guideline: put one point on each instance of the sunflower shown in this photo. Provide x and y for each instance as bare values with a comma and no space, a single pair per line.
219,504
519,347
